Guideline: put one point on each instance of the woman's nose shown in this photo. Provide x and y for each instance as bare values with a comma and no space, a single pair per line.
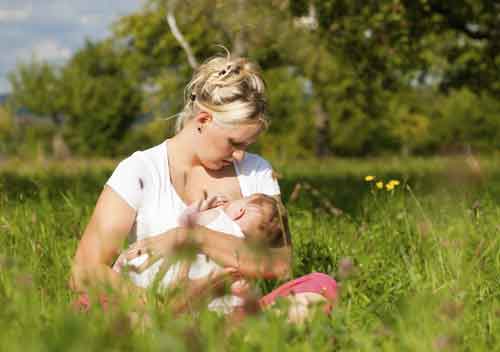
238,155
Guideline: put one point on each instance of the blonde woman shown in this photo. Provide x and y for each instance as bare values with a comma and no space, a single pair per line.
224,113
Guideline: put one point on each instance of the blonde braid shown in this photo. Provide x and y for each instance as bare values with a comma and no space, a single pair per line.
232,90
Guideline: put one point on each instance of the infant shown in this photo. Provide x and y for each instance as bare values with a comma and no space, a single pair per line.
257,218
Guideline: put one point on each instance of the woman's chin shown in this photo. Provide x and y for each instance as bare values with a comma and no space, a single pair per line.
214,165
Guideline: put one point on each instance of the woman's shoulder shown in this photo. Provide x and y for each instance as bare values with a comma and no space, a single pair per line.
253,163
151,158
138,174
144,165
256,176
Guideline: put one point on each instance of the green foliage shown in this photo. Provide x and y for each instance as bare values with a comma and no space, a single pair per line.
36,87
347,78
6,131
146,135
23,138
101,101
289,134
465,118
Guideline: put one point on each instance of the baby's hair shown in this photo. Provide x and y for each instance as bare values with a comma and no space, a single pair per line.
231,89
273,227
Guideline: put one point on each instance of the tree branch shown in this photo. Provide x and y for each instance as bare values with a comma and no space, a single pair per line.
172,23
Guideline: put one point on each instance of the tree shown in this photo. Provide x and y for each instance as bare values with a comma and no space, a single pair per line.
101,100
156,56
410,36
36,87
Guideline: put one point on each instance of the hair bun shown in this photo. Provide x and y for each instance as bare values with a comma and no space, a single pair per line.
231,89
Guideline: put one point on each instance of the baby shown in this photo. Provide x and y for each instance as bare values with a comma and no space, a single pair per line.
256,217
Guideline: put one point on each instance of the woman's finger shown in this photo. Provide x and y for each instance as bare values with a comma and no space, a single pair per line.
151,259
133,253
137,245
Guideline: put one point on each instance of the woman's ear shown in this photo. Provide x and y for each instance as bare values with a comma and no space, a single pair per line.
203,117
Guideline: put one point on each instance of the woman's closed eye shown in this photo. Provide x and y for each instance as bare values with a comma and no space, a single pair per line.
238,145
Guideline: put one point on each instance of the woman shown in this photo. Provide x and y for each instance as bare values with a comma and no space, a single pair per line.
224,114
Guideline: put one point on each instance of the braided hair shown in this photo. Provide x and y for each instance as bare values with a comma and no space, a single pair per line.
232,90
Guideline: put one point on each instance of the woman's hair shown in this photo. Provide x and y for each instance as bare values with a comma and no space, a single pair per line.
232,90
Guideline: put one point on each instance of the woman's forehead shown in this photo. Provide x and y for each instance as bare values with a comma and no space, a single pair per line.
244,132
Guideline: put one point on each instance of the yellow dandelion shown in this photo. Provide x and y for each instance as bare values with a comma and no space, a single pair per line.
394,182
369,178
379,185
390,186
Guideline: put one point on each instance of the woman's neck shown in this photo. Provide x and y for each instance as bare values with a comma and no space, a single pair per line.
181,146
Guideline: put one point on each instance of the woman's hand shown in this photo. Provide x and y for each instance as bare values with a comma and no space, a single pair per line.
158,247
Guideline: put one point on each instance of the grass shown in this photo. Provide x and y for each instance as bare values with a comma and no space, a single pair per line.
419,267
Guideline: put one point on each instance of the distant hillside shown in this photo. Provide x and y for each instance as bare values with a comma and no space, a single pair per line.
3,98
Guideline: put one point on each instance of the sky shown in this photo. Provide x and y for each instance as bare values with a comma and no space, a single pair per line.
52,30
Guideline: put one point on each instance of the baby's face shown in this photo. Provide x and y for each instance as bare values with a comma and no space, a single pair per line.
249,216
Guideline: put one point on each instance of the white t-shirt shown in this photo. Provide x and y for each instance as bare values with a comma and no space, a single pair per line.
201,267
143,181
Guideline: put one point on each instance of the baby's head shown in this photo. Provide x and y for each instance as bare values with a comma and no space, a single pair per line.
259,217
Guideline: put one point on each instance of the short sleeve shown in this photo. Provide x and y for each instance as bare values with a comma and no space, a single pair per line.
266,179
129,180
257,176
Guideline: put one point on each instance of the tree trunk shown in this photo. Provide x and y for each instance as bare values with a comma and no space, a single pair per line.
240,39
60,149
322,131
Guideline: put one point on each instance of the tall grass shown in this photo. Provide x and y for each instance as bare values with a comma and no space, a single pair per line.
419,266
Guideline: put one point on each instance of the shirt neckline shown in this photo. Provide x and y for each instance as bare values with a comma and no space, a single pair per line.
166,170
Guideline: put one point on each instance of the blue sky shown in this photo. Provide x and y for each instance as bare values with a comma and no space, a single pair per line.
53,29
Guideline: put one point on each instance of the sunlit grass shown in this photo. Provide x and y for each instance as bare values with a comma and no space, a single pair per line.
419,264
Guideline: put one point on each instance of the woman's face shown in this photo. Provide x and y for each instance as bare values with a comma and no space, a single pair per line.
220,145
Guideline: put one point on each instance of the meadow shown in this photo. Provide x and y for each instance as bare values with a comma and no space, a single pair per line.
418,264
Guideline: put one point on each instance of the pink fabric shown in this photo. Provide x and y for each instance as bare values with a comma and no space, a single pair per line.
314,283
82,303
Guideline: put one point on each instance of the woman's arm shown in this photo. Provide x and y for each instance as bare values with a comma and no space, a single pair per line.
230,251
226,250
108,227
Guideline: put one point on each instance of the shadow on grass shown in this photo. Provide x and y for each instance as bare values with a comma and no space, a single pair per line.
345,192
15,187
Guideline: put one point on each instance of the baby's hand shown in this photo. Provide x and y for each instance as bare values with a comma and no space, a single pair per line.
240,288
189,218
214,202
